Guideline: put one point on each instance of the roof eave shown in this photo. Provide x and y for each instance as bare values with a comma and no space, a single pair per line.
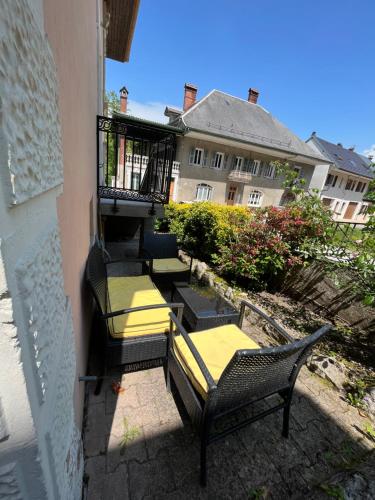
122,19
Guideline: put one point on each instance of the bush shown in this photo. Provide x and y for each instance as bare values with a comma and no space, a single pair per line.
274,241
202,228
254,248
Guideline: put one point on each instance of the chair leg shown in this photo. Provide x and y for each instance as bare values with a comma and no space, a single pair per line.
203,471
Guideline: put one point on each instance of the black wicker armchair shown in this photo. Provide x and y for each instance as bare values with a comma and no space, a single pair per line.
164,265
133,317
220,371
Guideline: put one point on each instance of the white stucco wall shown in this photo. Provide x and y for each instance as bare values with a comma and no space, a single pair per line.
40,446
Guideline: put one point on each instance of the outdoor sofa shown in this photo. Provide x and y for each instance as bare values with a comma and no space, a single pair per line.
219,371
132,316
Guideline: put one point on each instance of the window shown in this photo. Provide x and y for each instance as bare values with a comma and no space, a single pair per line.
135,180
198,156
204,192
268,170
350,184
331,180
238,162
253,167
363,210
255,199
363,187
217,160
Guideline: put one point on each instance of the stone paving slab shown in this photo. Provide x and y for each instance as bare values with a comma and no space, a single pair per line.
139,445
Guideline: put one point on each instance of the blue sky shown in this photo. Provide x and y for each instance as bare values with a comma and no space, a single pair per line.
312,62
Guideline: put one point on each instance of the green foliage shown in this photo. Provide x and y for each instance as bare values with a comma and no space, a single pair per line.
369,431
130,433
202,228
356,393
274,241
333,491
258,493
112,102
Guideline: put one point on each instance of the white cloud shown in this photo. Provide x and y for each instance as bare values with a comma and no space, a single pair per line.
148,110
370,151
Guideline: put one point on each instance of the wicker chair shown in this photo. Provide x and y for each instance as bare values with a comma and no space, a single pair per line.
130,338
219,371
165,266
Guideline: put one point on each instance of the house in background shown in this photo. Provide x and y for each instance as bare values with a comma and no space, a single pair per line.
345,186
227,148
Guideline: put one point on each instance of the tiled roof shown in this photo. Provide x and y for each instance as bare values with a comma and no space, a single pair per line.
234,118
343,158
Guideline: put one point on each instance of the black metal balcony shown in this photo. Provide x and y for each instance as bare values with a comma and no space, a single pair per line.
135,159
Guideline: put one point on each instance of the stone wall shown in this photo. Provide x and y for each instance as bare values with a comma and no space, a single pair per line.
40,445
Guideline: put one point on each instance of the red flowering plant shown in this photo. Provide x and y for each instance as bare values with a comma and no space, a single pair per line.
270,244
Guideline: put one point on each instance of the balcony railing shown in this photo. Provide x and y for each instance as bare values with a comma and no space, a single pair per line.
135,159
240,176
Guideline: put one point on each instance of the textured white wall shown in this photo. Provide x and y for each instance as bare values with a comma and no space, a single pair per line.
40,446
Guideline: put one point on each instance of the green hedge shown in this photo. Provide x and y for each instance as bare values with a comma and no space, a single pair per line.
203,228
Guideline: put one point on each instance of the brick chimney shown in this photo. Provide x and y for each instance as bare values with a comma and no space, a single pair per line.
253,95
123,99
190,95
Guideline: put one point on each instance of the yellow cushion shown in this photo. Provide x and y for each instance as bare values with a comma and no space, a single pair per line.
135,291
216,347
169,266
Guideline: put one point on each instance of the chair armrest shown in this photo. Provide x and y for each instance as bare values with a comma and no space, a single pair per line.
120,312
130,259
203,368
271,321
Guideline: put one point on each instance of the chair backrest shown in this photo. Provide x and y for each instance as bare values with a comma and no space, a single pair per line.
160,246
255,374
96,276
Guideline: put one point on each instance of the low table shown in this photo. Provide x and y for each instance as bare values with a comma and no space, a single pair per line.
204,308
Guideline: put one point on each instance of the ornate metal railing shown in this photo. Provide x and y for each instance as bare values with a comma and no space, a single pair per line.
135,160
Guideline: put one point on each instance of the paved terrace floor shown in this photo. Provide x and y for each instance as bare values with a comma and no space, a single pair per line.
139,444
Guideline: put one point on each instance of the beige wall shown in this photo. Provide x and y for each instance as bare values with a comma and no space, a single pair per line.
71,29
191,175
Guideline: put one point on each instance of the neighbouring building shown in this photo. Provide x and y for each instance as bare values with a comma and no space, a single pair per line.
51,91
346,184
227,148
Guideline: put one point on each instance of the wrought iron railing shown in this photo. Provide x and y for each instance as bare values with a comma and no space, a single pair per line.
135,160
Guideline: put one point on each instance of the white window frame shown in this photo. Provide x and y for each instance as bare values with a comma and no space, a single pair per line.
255,198
254,167
217,155
203,192
269,171
238,163
201,156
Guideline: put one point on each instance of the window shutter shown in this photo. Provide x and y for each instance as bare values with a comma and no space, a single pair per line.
205,158
191,156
